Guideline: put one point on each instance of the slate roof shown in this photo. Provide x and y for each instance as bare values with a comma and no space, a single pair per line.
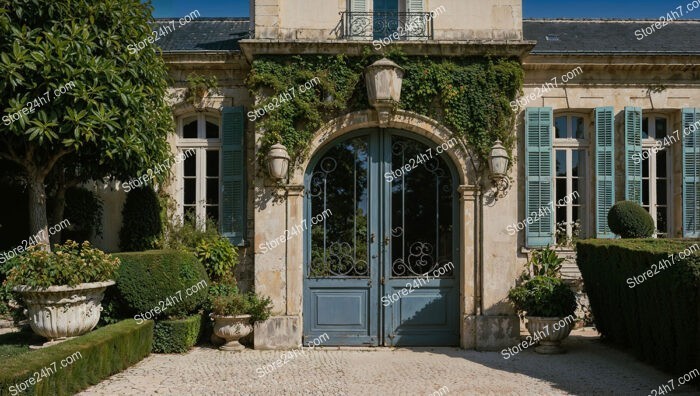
612,37
203,34
592,37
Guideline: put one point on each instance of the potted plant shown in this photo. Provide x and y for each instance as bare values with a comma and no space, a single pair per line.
545,301
234,316
62,290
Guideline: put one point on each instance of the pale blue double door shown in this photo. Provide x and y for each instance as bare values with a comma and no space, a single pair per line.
380,267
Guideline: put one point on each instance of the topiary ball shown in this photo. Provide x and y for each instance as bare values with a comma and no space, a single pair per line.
629,219
141,224
162,283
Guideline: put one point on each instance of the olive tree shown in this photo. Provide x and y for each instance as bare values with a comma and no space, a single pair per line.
76,104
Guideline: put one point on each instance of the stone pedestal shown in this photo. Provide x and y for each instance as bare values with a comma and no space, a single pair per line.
278,332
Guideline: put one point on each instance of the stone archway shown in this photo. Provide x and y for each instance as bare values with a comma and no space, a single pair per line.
286,330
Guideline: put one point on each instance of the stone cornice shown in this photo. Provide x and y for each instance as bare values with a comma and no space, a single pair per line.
517,48
674,62
204,57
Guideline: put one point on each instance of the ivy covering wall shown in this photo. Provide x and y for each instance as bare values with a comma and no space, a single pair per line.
471,96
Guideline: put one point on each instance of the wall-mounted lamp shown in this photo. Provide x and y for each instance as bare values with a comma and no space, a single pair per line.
498,162
278,162
384,79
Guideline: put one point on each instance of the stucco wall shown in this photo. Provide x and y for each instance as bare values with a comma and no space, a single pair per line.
318,20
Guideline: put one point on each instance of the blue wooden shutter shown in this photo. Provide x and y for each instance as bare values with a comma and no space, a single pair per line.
233,225
633,154
605,168
691,173
539,174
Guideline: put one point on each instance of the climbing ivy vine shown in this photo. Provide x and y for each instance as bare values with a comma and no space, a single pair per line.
471,96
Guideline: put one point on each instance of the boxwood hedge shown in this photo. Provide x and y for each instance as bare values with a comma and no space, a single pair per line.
154,283
646,297
88,360
177,336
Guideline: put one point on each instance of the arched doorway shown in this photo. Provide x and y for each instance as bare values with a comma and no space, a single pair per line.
380,250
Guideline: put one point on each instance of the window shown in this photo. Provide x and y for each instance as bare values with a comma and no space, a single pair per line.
570,177
200,191
655,172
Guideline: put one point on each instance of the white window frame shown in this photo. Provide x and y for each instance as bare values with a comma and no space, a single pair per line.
648,144
200,144
569,144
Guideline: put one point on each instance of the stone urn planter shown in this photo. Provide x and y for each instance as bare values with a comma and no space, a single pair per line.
550,332
62,312
232,329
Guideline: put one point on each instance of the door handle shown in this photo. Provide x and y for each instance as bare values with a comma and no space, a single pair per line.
372,237
387,240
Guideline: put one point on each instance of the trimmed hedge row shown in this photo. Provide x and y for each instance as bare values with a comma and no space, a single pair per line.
95,356
644,303
177,336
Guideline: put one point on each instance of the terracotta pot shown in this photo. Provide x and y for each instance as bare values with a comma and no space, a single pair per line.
61,312
550,332
232,329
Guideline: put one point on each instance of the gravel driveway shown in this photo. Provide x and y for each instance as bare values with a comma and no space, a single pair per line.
588,368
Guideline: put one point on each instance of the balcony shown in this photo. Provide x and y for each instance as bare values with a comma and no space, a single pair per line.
392,25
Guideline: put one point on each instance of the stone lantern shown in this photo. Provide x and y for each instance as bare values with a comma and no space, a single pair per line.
384,79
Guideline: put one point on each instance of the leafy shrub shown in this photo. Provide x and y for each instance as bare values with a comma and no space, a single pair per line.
141,225
220,290
544,262
114,308
84,211
184,234
5,293
543,296
629,219
177,336
96,356
243,304
147,279
219,258
658,319
69,264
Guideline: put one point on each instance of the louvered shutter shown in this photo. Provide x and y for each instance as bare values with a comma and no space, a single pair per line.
605,168
414,5
691,173
358,5
633,154
233,204
538,180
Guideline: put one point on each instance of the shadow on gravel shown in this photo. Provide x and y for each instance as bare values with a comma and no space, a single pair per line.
588,367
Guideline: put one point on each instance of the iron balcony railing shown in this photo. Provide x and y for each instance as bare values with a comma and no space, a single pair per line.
389,25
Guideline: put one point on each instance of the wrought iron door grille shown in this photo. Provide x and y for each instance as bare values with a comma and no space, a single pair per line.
391,25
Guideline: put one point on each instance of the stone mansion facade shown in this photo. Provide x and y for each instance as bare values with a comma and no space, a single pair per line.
603,117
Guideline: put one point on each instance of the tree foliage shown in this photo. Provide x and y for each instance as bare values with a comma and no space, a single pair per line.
109,117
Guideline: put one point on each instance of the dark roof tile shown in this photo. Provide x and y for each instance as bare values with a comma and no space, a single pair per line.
203,34
612,37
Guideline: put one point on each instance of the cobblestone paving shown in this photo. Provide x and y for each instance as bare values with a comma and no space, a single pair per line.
588,368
